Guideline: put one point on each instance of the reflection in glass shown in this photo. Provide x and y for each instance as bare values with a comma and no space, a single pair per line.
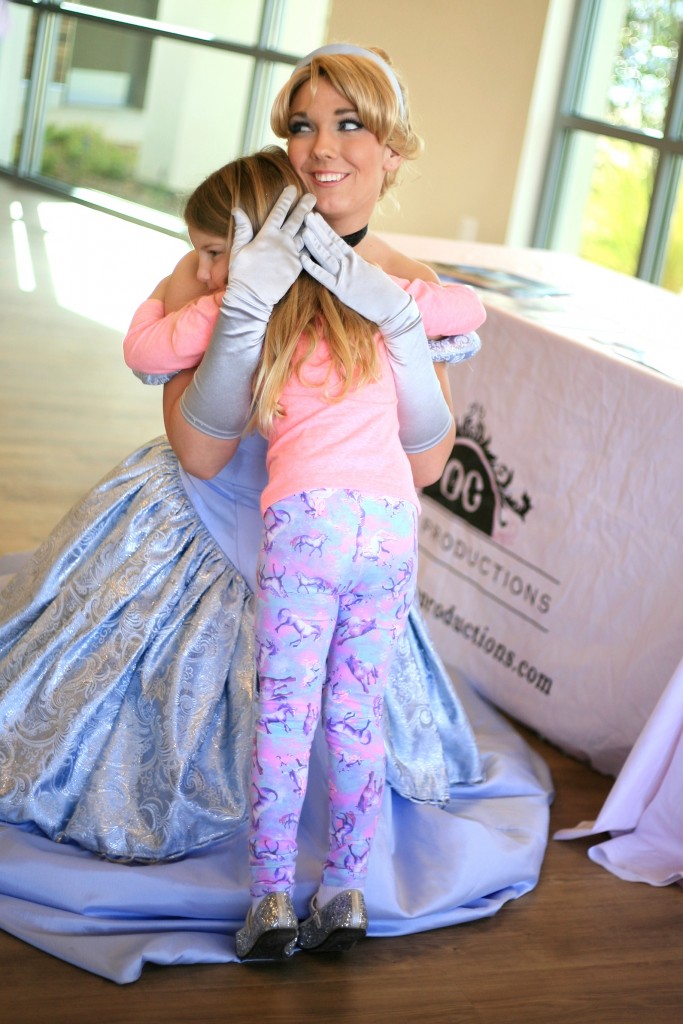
608,184
673,265
633,59
140,118
126,116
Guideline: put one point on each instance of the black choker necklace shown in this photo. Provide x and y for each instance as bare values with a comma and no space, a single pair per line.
355,237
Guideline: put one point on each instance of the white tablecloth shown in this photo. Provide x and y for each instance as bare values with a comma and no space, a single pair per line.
552,549
644,810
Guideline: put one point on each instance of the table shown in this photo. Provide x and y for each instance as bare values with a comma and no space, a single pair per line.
552,547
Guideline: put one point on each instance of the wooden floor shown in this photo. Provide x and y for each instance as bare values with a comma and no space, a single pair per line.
584,946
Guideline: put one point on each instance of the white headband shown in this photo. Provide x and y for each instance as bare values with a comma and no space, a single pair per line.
348,49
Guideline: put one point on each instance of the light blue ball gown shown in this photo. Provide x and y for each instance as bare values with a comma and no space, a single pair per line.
126,703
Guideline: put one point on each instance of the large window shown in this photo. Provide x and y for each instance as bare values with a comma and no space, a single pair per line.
613,191
122,102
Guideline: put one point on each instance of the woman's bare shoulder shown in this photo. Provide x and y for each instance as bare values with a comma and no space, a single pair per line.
396,263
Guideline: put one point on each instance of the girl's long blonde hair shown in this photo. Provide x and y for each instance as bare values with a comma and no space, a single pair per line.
367,87
254,183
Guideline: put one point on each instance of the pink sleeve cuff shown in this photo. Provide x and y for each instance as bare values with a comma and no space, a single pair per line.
158,343
446,309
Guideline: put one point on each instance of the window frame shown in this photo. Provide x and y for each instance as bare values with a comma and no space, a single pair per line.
668,147
33,122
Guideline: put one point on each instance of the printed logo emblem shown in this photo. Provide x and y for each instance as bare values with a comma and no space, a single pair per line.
475,484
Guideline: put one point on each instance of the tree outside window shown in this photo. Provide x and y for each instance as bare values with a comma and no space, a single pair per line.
613,192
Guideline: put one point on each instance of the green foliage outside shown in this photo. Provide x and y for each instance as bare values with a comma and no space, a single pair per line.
616,211
645,64
673,270
82,155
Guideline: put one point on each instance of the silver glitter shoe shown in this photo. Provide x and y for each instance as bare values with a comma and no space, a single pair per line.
336,927
269,933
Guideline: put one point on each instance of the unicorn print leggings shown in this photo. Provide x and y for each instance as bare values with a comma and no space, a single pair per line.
336,578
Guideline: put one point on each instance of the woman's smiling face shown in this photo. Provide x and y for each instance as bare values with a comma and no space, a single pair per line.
339,160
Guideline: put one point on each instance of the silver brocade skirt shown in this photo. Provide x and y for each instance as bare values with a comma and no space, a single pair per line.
127,680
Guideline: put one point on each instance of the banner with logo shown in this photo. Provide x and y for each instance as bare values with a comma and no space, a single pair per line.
551,550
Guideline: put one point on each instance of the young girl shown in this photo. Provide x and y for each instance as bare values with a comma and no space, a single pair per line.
127,659
336,571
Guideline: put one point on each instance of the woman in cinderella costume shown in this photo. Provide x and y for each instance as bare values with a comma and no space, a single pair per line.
126,686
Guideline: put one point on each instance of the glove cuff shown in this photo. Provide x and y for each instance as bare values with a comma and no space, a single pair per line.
402,322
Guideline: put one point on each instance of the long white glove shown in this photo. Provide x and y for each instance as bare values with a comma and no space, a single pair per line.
261,270
423,413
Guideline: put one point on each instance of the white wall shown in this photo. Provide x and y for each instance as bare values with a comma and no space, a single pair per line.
470,66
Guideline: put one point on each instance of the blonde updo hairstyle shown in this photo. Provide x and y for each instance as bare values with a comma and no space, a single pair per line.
368,89
254,184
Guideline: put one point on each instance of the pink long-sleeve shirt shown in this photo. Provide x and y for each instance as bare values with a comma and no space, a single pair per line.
159,343
317,443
